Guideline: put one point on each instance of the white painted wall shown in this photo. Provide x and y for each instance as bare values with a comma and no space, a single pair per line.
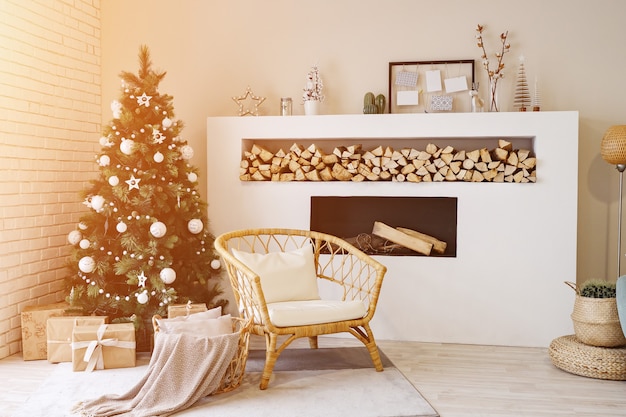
516,242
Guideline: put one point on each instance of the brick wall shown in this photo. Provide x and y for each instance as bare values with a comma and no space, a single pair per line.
50,121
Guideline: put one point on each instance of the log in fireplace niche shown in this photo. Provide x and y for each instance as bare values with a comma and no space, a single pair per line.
354,218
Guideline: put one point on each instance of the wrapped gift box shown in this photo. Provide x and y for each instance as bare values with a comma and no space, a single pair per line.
103,347
59,335
177,310
34,318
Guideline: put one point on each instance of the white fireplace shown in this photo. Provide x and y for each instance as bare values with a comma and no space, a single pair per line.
516,243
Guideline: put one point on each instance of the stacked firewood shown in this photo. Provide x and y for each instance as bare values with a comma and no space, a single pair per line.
352,163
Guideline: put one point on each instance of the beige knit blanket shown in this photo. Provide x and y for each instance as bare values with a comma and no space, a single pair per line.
182,370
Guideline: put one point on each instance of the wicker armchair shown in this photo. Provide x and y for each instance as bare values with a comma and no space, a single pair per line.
344,273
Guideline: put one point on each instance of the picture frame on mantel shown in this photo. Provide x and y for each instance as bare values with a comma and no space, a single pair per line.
431,86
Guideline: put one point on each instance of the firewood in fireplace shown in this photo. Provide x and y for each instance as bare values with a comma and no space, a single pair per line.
415,243
439,246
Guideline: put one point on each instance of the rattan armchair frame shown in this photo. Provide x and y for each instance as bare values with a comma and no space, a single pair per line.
358,275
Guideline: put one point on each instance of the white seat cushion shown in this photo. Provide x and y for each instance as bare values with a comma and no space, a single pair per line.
302,313
285,276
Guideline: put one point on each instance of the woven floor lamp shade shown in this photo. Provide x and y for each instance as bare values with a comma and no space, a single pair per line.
613,147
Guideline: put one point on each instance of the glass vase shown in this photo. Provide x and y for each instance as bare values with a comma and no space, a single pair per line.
493,95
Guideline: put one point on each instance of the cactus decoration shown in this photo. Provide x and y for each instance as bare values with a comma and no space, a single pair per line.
381,103
369,104
598,289
374,104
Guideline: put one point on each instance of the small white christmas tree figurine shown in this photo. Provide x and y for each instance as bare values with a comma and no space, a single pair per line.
314,86
536,103
522,94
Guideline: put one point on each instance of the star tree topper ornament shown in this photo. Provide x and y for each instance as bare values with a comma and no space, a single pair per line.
246,101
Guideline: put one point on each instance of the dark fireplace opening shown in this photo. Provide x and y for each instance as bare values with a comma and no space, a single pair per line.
353,219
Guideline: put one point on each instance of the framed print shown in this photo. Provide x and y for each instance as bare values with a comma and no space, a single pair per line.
430,86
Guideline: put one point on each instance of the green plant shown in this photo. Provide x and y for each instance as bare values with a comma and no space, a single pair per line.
596,288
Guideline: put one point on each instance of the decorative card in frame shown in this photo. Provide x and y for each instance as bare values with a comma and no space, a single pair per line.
431,86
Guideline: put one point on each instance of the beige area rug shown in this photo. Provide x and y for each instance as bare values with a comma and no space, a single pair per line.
306,383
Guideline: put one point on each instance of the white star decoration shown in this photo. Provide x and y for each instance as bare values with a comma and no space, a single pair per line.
142,280
144,100
133,182
157,137
248,98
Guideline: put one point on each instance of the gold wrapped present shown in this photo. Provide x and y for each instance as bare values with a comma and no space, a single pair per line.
103,347
177,310
59,334
34,318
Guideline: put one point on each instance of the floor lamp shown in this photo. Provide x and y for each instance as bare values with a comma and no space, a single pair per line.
613,151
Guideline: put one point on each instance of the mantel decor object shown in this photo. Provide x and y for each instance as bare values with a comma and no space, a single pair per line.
613,151
248,103
312,93
425,86
494,73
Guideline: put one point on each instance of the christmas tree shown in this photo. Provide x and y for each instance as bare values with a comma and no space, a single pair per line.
522,94
144,243
536,102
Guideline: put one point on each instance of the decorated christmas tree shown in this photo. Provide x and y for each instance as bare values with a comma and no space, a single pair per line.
144,243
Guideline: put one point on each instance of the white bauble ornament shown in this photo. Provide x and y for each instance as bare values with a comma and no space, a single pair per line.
103,140
113,180
86,264
158,157
158,229
195,226
216,264
74,237
142,298
104,161
192,177
97,202
186,152
121,227
167,122
168,275
84,244
127,146
116,109
82,226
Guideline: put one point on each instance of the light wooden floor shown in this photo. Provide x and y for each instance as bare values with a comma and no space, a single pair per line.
458,381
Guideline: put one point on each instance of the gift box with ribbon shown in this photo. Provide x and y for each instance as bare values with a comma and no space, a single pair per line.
59,334
105,346
34,319
177,310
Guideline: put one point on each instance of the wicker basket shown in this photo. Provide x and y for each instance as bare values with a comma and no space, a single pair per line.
571,355
596,321
237,366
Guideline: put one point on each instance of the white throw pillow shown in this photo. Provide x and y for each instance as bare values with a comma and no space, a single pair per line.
213,313
200,328
285,276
